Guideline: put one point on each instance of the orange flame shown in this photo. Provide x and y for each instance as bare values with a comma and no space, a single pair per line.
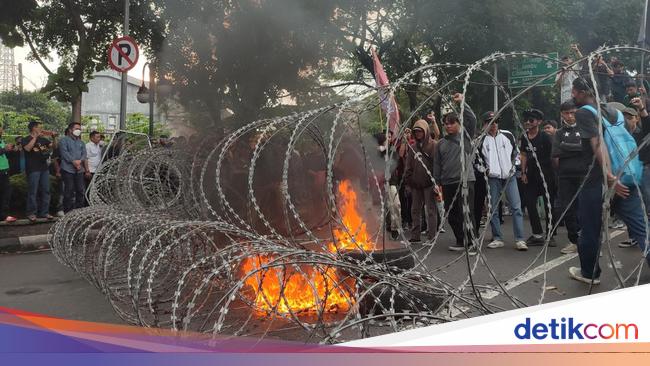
355,235
283,289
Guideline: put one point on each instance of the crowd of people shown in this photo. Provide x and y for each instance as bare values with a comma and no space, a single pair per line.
42,154
560,167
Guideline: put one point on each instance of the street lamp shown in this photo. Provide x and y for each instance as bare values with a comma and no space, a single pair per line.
148,95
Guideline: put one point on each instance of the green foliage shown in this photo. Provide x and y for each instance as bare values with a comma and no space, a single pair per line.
16,110
79,33
138,122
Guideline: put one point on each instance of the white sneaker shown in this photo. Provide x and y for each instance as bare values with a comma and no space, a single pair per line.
60,214
569,248
521,245
576,274
495,244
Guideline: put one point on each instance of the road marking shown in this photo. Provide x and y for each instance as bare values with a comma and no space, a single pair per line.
537,271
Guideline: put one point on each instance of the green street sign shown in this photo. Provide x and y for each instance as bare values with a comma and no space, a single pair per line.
527,71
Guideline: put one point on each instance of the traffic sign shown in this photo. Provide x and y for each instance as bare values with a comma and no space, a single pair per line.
123,54
527,71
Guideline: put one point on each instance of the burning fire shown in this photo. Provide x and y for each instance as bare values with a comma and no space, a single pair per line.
355,235
283,288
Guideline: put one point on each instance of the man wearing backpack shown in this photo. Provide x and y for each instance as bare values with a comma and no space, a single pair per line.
597,154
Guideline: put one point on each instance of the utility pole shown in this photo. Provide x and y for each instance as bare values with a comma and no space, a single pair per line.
152,97
124,74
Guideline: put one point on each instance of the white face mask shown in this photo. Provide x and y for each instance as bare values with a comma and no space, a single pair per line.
76,133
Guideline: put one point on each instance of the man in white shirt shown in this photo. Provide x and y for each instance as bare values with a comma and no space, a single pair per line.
499,156
93,154
570,71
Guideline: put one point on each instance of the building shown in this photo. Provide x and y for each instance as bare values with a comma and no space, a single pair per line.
102,101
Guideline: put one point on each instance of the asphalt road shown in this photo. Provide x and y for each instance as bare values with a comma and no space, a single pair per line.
39,283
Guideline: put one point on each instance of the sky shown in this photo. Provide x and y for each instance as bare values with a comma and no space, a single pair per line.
36,77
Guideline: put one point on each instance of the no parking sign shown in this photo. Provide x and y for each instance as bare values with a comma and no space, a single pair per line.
123,54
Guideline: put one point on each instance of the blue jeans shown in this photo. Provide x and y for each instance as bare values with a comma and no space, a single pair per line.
38,193
512,195
590,209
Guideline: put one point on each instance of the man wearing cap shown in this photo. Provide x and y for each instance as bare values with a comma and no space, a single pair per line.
637,122
567,160
418,176
447,171
626,203
499,155
535,154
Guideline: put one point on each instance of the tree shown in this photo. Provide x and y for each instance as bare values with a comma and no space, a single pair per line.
79,32
18,109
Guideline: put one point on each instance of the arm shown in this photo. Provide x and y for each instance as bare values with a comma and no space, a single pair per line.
408,166
30,145
524,166
469,121
64,151
602,157
436,130
436,162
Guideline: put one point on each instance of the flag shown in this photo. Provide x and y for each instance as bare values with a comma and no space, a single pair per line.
645,27
387,99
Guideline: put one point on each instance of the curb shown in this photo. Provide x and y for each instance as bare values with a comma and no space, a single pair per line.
24,243
23,222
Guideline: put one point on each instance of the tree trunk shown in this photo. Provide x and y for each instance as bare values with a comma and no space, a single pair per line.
76,109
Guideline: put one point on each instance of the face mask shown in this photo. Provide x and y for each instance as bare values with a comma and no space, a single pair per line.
76,133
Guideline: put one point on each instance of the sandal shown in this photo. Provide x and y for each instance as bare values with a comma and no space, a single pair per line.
31,218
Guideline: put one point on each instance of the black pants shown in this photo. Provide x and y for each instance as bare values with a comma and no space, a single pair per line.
480,193
405,203
73,191
567,188
531,191
5,193
455,211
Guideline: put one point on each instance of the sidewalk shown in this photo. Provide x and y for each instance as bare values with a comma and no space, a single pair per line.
23,236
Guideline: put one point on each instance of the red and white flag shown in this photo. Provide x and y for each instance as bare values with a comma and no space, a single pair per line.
387,99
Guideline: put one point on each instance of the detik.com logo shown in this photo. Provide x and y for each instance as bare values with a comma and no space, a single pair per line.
568,328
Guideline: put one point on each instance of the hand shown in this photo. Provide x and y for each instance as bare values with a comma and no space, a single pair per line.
637,103
524,178
574,47
87,174
431,117
77,164
58,174
9,147
620,189
457,98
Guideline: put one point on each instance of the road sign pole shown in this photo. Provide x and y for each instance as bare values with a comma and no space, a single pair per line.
125,74
496,89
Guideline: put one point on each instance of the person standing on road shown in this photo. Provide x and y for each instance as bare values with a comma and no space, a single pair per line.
627,202
567,160
74,167
37,154
447,171
94,154
418,174
5,187
535,154
500,155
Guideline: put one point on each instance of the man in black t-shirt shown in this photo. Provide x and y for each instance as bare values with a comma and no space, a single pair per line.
626,203
567,159
535,150
37,152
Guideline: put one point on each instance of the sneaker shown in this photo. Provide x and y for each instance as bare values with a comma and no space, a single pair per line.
10,219
576,274
31,218
535,240
569,248
496,244
627,243
456,248
616,224
521,245
442,230
472,250
60,213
